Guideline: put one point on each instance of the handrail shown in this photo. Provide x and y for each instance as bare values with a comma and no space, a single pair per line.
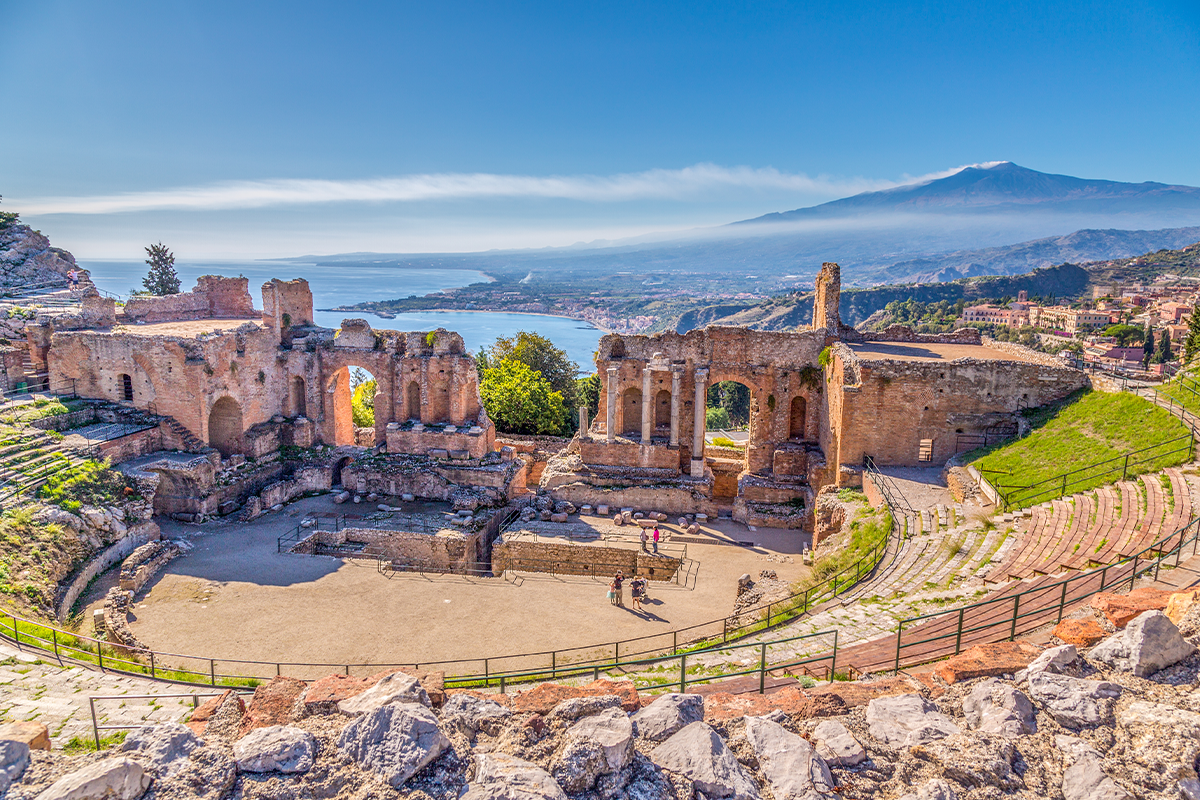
1148,559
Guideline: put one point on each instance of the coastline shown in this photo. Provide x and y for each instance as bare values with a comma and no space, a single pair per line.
600,328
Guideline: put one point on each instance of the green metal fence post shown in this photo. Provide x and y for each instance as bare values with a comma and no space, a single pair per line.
16,633
683,673
151,663
899,632
762,670
553,665
212,671
958,634
1062,601
833,663
1012,634
1133,574
54,633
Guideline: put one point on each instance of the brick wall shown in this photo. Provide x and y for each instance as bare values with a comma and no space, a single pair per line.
570,559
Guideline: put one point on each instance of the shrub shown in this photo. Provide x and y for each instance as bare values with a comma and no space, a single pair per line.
724,441
92,482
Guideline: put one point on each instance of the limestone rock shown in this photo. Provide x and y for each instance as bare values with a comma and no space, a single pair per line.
396,740
542,698
995,707
470,714
788,762
600,744
206,774
578,707
837,745
1180,603
1161,737
1079,632
935,789
14,758
110,779
1074,702
668,714
504,777
558,517
698,753
165,746
1147,644
976,760
279,748
397,687
274,703
1084,778
1053,659
907,719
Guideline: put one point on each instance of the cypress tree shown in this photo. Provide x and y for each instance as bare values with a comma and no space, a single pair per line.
162,278
1164,348
1192,343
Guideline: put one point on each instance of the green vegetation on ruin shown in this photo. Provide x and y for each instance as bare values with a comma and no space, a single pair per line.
91,482
1085,429
34,556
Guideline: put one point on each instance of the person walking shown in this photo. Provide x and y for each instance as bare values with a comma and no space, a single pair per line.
617,589
655,538
644,540
637,587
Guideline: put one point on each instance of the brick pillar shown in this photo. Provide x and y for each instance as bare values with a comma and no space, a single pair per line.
699,426
676,376
611,411
647,405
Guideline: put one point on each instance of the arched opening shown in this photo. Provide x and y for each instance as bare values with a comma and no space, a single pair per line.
662,410
299,403
728,406
412,401
798,418
225,426
727,419
337,470
352,398
126,388
631,409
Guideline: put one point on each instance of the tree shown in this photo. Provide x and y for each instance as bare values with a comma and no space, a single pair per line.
162,278
1126,335
734,398
519,400
716,419
1164,354
362,398
588,391
1192,342
540,355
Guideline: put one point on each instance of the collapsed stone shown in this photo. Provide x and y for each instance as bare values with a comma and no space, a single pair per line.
279,748
166,746
995,707
1148,644
789,763
397,687
1074,702
699,754
905,720
110,779
667,714
600,744
396,740
503,777
837,745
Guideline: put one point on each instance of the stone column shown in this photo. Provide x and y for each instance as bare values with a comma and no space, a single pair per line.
676,375
583,423
699,425
610,435
647,405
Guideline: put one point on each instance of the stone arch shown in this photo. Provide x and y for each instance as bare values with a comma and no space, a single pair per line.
662,409
798,418
298,398
225,426
339,465
126,387
412,400
631,411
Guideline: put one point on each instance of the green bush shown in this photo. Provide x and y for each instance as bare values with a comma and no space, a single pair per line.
716,419
725,441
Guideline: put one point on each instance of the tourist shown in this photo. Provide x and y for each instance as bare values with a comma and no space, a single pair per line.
656,537
612,592
637,587
73,278
617,584
644,540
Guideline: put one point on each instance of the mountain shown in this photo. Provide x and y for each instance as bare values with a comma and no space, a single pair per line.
1003,187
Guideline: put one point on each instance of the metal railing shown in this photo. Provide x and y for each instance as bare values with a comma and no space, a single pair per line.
944,633
887,487
124,698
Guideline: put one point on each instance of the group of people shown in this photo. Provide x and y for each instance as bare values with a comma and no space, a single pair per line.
637,588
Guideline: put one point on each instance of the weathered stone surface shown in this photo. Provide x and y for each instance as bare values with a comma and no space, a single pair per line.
1147,644
165,747
274,703
837,745
935,789
1079,632
667,714
397,687
793,701
698,753
1180,603
1053,659
1161,737
327,692
470,713
110,779
578,707
976,760
1084,777
35,735
906,720
600,744
1120,609
1074,702
995,707
218,716
504,777
545,696
986,660
396,740
788,762
14,758
279,748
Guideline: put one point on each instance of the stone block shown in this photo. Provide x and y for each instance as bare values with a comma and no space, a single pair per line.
438,452
274,703
987,660
559,517
602,510
1079,632
34,735
1120,609
1180,603
460,455
544,697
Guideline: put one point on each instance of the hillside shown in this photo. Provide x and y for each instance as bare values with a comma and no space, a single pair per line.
1183,263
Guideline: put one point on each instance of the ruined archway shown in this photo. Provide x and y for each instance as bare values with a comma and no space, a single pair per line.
225,426
631,412
728,416
352,395
298,399
662,411
412,401
798,418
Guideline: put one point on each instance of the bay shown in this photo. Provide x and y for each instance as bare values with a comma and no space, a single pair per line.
361,282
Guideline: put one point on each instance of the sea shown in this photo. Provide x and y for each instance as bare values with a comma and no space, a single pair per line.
357,283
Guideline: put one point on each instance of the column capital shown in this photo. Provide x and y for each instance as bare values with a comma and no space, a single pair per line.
677,369
701,372
613,370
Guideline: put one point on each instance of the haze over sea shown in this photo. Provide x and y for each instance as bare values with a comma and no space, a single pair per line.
357,283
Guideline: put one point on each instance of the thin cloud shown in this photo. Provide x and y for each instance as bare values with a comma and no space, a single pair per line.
651,184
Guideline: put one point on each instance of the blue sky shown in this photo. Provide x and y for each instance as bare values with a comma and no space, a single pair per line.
245,129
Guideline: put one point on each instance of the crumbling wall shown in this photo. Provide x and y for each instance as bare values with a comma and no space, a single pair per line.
214,296
144,563
572,559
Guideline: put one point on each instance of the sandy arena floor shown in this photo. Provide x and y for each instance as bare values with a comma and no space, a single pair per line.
234,597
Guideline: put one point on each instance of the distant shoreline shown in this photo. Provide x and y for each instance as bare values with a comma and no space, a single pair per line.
600,328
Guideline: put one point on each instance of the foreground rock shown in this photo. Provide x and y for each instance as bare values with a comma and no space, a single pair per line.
504,777
470,714
1084,778
699,754
397,687
111,779
165,746
396,740
597,745
995,707
837,745
668,714
1150,643
279,748
906,720
788,762
1074,702
14,758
